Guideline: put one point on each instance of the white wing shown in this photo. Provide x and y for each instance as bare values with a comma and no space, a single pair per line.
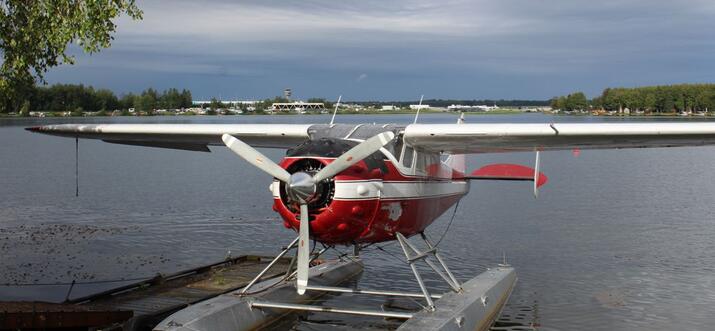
184,136
516,137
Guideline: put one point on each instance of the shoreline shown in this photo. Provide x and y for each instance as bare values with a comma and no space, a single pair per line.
501,112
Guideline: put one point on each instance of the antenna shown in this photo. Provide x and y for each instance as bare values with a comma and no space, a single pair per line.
332,120
418,109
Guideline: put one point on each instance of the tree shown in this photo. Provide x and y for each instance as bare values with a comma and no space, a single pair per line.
186,100
214,106
146,102
557,103
25,109
127,101
105,100
34,36
575,101
170,99
662,99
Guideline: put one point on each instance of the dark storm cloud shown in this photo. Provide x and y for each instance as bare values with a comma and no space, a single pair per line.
459,49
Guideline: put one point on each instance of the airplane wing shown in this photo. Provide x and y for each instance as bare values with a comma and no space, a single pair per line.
521,137
195,137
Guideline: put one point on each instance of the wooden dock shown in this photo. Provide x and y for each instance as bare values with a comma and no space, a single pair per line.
146,303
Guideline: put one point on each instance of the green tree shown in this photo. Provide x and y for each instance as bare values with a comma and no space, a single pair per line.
146,102
215,105
127,101
576,101
186,99
557,102
105,100
25,109
649,102
170,99
34,36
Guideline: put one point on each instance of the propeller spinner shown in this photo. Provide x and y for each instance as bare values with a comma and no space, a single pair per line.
301,187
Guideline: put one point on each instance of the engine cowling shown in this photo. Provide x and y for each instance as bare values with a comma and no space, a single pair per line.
343,207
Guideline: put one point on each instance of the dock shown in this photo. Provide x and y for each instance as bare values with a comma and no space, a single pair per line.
212,297
140,305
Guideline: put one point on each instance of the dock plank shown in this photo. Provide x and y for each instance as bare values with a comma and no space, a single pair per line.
158,296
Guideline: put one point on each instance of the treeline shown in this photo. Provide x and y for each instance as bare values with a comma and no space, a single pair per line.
79,98
571,102
650,99
448,102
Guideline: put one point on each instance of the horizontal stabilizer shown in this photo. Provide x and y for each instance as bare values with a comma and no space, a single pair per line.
506,171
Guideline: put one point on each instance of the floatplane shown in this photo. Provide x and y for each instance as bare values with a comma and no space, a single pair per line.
358,185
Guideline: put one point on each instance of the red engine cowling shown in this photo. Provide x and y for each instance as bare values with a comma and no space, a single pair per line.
343,209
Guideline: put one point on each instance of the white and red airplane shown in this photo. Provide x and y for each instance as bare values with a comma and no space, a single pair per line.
360,184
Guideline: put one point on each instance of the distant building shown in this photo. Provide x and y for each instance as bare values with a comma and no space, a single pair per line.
390,107
472,108
298,106
416,107
235,102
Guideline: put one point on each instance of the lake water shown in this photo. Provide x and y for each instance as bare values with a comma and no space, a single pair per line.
618,239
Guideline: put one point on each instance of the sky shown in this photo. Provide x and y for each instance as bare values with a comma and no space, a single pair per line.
399,50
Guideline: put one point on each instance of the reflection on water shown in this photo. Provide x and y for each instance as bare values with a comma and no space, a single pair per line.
618,239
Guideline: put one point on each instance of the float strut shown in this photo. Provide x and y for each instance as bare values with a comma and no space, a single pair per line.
441,262
405,245
263,272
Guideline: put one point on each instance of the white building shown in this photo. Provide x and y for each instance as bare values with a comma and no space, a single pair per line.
234,102
390,107
416,107
299,106
472,108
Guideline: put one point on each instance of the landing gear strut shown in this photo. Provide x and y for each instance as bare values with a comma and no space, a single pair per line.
413,254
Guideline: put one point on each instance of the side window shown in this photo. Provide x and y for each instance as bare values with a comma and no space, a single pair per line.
407,155
397,149
427,163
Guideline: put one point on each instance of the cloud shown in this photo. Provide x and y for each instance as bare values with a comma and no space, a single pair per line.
450,48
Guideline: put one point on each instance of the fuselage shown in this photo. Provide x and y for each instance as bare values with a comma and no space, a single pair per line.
396,190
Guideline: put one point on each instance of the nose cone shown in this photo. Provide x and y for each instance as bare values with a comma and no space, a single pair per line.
301,187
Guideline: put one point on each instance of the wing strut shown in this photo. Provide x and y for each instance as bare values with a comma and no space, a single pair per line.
536,176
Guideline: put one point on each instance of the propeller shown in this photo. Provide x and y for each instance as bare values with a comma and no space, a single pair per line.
301,187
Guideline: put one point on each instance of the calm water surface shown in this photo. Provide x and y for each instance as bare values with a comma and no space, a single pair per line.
618,239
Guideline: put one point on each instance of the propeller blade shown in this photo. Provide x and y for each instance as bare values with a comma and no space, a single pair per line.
303,249
255,158
354,155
